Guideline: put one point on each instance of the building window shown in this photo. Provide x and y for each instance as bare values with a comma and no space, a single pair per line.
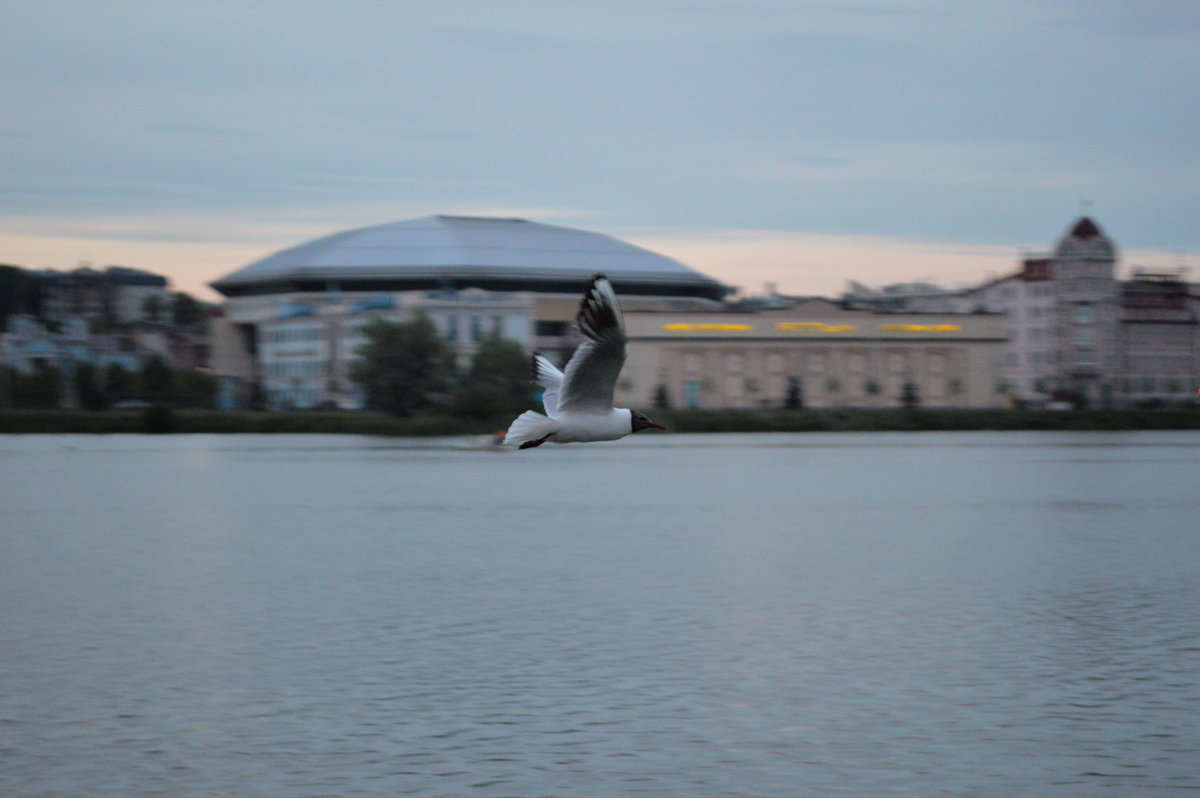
1084,313
691,393
476,328
452,327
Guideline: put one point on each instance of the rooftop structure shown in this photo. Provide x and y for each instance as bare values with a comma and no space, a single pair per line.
467,252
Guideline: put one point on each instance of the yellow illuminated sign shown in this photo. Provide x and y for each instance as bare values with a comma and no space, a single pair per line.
708,327
920,327
805,327
813,326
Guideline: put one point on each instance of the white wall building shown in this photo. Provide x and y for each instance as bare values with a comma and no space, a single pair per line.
305,352
1078,334
837,358
291,321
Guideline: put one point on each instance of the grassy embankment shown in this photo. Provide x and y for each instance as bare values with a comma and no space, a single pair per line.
159,420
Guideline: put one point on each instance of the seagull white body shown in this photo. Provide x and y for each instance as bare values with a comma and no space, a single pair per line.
579,400
585,427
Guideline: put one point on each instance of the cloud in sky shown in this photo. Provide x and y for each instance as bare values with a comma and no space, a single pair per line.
977,127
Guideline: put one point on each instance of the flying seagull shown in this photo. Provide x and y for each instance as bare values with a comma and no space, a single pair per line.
579,401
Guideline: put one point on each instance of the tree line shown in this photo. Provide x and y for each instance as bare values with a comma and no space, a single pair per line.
92,388
407,367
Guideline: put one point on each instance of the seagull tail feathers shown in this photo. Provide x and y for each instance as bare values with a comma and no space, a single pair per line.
528,427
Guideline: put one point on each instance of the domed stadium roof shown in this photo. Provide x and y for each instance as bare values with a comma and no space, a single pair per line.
464,252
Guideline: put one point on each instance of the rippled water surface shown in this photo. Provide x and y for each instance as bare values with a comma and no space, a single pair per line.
780,615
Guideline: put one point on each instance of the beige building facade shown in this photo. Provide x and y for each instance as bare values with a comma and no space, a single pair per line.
1078,334
834,358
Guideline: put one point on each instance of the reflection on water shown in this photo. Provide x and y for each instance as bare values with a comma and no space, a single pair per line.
865,614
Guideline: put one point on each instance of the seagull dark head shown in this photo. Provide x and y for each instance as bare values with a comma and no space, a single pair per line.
640,422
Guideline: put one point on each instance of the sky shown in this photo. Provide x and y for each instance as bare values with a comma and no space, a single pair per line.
801,144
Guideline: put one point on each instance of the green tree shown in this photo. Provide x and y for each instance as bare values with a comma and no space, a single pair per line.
909,397
20,292
186,311
403,366
87,385
497,382
503,363
152,308
118,383
872,389
194,388
7,378
662,398
794,398
40,390
154,380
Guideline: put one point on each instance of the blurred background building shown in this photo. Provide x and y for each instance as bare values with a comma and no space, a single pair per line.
1061,330
292,322
815,353
75,338
1077,334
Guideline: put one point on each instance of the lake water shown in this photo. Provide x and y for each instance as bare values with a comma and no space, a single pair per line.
978,614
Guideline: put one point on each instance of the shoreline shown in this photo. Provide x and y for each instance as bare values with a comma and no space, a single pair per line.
163,420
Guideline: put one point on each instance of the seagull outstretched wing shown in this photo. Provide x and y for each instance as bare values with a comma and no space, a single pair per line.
591,374
547,375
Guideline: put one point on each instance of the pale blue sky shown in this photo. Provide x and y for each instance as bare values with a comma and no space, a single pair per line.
191,137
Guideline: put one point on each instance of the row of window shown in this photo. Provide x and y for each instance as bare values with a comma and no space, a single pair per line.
1031,289
1084,357
735,390
1035,333
293,398
855,363
1156,385
478,327
288,369
1176,363
280,335
1033,311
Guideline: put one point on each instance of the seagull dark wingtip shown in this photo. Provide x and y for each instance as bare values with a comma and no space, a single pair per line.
597,310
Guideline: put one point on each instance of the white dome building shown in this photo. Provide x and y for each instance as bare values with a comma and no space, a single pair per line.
292,322
438,252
